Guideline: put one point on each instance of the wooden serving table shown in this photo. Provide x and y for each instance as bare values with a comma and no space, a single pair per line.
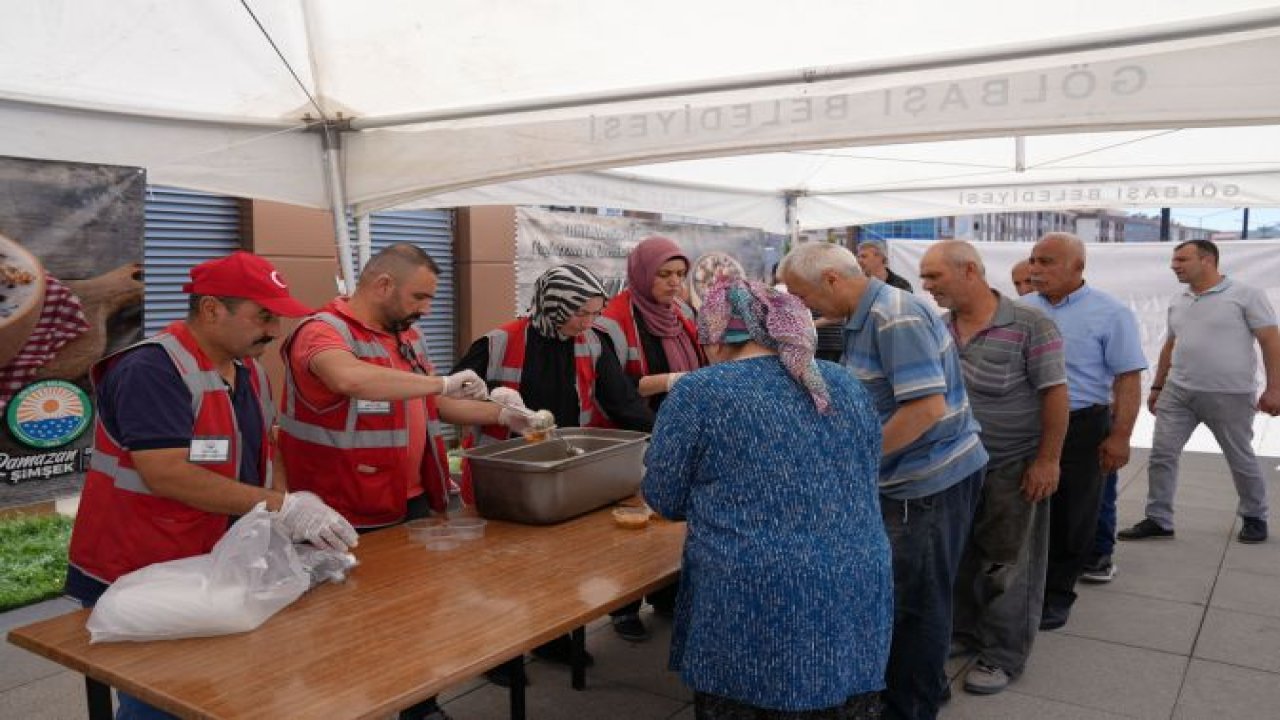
407,624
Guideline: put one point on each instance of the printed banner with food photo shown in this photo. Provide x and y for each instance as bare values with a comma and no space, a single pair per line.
71,246
545,239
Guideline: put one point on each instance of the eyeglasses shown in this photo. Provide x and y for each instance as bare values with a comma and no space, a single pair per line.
588,314
411,357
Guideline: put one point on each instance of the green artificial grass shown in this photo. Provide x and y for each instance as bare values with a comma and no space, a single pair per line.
33,558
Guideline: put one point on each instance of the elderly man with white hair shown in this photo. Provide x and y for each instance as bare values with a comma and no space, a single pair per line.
1104,365
1017,382
932,459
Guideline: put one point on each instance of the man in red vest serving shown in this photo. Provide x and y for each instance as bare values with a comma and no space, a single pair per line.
182,438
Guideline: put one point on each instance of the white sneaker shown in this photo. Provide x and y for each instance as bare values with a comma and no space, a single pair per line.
983,679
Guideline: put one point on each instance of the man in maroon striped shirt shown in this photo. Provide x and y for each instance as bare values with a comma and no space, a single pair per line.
1016,379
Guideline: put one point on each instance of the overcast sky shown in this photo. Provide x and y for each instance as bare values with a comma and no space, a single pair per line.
1219,218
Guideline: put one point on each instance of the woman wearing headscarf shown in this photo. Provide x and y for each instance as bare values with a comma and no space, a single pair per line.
771,456
653,331
553,359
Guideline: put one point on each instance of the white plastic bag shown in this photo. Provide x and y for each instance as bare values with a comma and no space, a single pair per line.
252,573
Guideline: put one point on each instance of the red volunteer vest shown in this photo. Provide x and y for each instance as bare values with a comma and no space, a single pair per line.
506,364
619,321
120,526
352,453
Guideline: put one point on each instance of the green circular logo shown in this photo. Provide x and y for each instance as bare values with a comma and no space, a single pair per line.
49,413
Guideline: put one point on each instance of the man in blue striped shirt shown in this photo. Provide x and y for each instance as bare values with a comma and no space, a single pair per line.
1104,367
932,458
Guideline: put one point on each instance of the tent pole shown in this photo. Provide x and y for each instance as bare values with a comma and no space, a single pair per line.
364,240
332,144
793,217
1244,229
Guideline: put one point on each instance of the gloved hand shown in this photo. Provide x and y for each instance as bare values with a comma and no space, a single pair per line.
305,518
516,420
465,385
514,415
507,396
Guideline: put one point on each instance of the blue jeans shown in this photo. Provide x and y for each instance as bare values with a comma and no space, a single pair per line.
1105,541
131,708
927,536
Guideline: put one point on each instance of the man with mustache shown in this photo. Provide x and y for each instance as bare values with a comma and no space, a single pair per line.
182,439
362,410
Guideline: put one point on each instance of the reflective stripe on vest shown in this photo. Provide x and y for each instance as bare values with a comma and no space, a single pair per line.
350,438
198,383
586,345
122,477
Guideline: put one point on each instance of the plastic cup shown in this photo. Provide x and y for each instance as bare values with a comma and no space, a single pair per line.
440,537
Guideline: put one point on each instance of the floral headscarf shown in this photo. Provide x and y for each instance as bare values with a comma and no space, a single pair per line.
736,310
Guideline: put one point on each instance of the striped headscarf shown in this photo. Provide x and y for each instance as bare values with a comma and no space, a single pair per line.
736,310
558,293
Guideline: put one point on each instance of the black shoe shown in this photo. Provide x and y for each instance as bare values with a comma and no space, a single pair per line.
630,628
1099,570
1052,618
558,651
1148,528
501,676
1253,530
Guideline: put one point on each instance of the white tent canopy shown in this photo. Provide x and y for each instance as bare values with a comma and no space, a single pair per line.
382,103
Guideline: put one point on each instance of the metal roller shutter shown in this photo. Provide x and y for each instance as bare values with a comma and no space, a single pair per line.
183,229
431,230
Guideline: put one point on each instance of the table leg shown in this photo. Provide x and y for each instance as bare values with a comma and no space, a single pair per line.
578,657
515,670
98,696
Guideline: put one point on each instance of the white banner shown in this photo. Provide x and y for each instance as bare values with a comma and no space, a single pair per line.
1138,275
547,239
1260,189
1186,83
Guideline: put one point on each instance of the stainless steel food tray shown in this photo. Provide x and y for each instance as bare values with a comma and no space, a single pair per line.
541,484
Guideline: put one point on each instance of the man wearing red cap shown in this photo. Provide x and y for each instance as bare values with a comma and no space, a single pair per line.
182,438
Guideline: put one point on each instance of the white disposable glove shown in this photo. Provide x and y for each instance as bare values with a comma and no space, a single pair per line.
305,518
507,396
518,421
465,385
514,414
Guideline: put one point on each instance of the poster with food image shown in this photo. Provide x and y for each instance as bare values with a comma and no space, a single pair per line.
545,239
71,249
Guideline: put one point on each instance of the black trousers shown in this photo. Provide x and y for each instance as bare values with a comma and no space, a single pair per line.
1073,509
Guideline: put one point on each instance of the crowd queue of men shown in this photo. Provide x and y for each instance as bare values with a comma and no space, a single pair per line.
1002,423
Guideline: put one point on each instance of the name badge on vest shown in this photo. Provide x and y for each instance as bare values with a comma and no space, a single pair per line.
209,450
373,407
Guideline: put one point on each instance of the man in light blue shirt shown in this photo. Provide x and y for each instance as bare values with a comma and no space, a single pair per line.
932,458
1104,366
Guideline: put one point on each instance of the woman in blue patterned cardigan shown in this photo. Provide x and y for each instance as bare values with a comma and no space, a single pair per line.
785,604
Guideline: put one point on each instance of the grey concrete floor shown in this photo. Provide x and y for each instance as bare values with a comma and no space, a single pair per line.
1188,630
